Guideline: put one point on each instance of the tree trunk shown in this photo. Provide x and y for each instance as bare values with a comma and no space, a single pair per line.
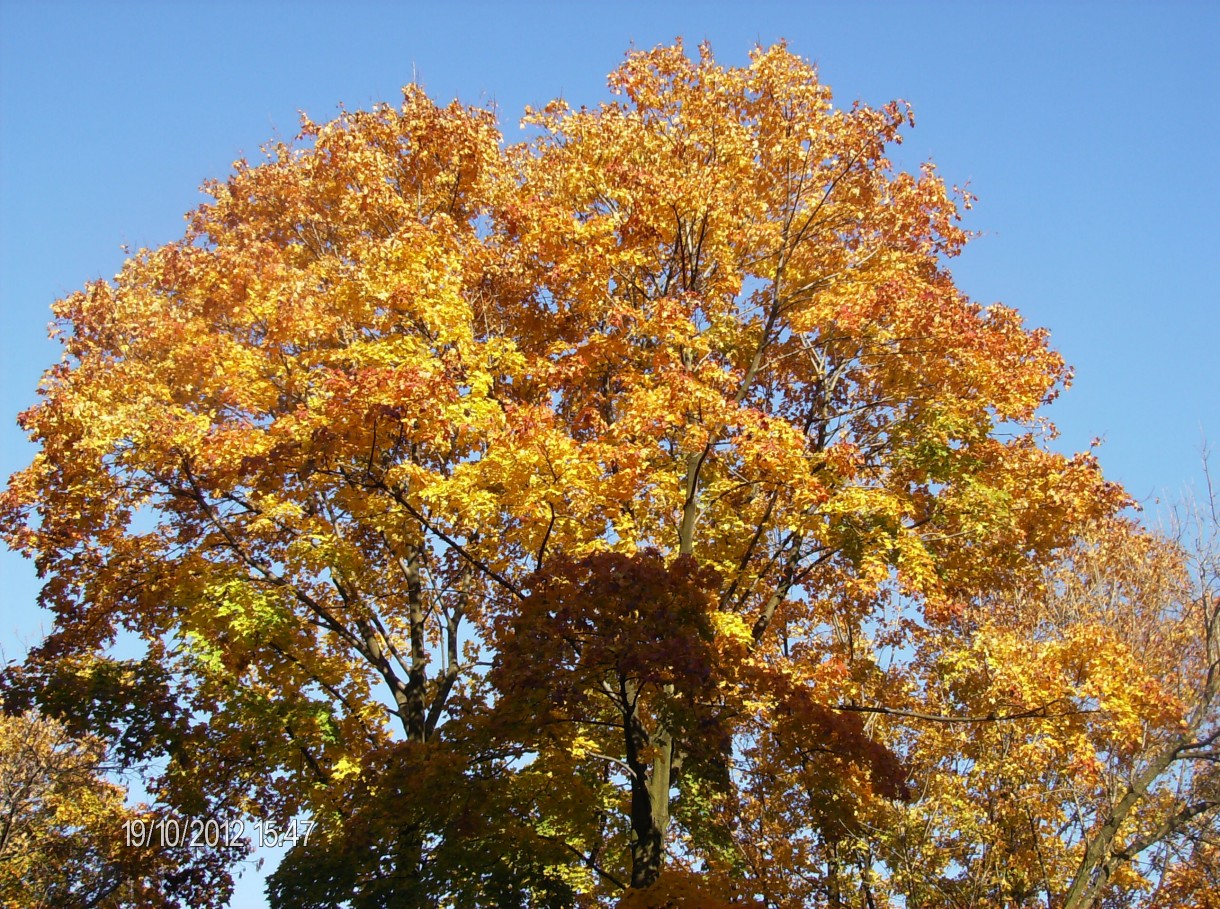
649,796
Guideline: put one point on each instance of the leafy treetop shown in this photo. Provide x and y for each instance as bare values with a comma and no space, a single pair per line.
553,502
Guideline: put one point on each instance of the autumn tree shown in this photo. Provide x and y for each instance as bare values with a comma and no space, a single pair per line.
1074,763
538,518
65,831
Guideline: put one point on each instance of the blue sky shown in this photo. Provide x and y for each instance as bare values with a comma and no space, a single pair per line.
1088,130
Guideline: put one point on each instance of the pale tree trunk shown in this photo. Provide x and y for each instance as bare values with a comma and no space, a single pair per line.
650,784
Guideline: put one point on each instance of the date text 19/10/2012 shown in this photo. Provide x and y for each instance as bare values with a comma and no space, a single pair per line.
197,833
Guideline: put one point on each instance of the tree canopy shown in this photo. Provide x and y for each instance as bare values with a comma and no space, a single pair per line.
638,515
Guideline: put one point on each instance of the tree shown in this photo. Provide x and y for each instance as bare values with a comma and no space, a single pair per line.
66,833
536,519
1105,791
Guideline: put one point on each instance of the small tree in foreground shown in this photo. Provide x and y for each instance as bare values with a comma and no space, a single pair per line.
637,513
66,832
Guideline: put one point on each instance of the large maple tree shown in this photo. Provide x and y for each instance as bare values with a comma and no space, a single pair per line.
539,519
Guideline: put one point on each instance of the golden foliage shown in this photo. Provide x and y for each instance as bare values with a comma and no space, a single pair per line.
649,482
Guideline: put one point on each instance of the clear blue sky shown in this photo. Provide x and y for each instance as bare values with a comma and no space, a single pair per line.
1088,130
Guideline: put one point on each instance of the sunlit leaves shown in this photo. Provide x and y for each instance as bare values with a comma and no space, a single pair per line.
66,835
656,459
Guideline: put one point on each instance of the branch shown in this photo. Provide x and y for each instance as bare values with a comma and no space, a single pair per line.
1166,828
749,553
322,775
545,538
589,861
613,760
196,495
450,542
1034,713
